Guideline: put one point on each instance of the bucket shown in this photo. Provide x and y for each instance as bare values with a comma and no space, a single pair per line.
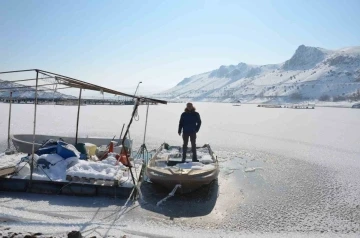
91,148
81,148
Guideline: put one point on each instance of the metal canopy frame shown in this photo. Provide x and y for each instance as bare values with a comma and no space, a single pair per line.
75,83
68,82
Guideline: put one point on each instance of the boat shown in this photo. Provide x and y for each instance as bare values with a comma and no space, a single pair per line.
301,106
237,103
167,169
269,106
24,142
356,105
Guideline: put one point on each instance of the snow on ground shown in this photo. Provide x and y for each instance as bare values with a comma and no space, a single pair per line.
308,184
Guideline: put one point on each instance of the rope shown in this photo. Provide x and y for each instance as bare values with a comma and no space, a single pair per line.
70,182
141,152
171,194
123,140
16,172
45,173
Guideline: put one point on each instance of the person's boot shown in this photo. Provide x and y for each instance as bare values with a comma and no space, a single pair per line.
184,154
194,156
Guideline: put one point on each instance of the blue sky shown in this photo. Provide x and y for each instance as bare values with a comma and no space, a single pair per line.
119,43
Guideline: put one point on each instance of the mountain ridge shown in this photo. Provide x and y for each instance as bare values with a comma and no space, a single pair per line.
311,73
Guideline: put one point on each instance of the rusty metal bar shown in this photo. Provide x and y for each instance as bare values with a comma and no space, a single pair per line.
90,86
18,71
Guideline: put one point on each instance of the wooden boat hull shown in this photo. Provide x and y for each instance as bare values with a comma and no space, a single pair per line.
188,183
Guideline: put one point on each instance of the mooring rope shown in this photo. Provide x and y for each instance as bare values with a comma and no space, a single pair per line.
170,195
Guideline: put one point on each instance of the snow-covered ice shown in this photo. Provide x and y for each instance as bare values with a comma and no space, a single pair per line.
309,184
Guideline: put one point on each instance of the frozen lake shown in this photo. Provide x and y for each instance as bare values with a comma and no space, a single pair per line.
307,180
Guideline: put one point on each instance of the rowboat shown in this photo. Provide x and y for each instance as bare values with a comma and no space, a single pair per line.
167,169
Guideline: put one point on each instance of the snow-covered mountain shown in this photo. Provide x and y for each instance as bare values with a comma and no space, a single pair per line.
312,73
28,92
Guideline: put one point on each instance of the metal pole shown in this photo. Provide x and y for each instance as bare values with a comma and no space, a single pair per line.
124,138
18,71
78,115
147,112
34,129
143,146
10,103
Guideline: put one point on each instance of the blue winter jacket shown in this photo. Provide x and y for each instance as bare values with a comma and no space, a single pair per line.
190,122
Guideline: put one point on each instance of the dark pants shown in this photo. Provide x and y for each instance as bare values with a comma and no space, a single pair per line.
193,145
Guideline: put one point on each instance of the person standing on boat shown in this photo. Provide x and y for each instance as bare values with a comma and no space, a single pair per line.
189,124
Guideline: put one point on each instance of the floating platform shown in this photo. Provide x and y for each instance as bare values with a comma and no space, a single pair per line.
72,185
66,188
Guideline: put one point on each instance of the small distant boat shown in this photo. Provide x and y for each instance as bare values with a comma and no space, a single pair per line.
166,168
301,106
357,105
269,106
237,103
23,142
